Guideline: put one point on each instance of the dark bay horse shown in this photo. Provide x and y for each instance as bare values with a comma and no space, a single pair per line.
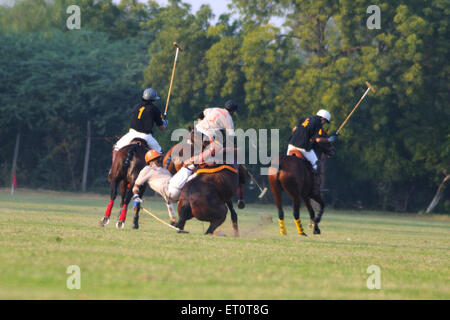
206,196
125,169
294,175
172,162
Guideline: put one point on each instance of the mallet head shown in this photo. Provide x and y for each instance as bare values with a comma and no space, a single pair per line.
176,45
370,86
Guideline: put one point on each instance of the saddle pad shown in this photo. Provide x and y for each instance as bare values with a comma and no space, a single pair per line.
213,170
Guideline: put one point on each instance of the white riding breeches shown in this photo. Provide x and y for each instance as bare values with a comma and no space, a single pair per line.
178,181
309,155
126,139
171,209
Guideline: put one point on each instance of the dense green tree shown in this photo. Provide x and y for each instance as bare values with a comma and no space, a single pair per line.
391,154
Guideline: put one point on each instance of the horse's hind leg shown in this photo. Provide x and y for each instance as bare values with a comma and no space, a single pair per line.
291,186
234,218
296,213
220,218
275,186
127,193
105,220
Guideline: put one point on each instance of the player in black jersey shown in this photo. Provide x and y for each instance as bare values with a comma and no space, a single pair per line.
308,131
143,116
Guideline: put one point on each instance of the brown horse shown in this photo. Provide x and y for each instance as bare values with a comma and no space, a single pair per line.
125,169
294,175
172,162
207,195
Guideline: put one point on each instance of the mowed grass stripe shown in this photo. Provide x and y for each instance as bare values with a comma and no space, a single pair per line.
43,233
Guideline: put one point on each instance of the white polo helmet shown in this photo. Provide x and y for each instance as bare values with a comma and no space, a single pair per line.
324,114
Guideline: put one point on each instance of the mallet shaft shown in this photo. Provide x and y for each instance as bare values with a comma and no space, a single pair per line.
354,109
171,78
162,221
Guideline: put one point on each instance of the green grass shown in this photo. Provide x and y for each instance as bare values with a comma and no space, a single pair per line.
42,233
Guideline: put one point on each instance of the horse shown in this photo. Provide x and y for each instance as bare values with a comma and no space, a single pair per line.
206,197
125,169
294,175
172,162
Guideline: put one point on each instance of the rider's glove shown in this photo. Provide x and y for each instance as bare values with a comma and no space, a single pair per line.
333,138
136,201
165,123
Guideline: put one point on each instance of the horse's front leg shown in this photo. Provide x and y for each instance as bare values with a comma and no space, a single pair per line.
318,218
138,208
234,218
308,205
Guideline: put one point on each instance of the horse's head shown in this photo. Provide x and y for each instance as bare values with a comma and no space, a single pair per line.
327,148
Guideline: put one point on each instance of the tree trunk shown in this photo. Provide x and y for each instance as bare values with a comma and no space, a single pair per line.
438,194
14,162
86,157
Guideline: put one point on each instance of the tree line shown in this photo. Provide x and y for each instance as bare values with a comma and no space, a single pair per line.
390,156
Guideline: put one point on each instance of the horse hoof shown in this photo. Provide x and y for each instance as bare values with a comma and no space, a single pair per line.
135,226
120,224
182,231
303,234
103,221
317,231
241,204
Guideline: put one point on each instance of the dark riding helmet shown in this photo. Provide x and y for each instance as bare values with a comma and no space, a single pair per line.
230,105
150,95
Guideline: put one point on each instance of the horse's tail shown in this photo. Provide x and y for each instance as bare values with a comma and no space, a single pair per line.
130,153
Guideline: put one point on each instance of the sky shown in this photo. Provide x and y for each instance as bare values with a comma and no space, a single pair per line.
218,6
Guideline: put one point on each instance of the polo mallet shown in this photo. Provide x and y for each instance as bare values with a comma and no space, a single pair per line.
171,79
364,95
163,222
263,191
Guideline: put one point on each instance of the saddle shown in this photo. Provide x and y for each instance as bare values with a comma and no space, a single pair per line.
140,142
298,154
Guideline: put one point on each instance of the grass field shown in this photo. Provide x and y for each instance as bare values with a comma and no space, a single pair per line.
42,233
